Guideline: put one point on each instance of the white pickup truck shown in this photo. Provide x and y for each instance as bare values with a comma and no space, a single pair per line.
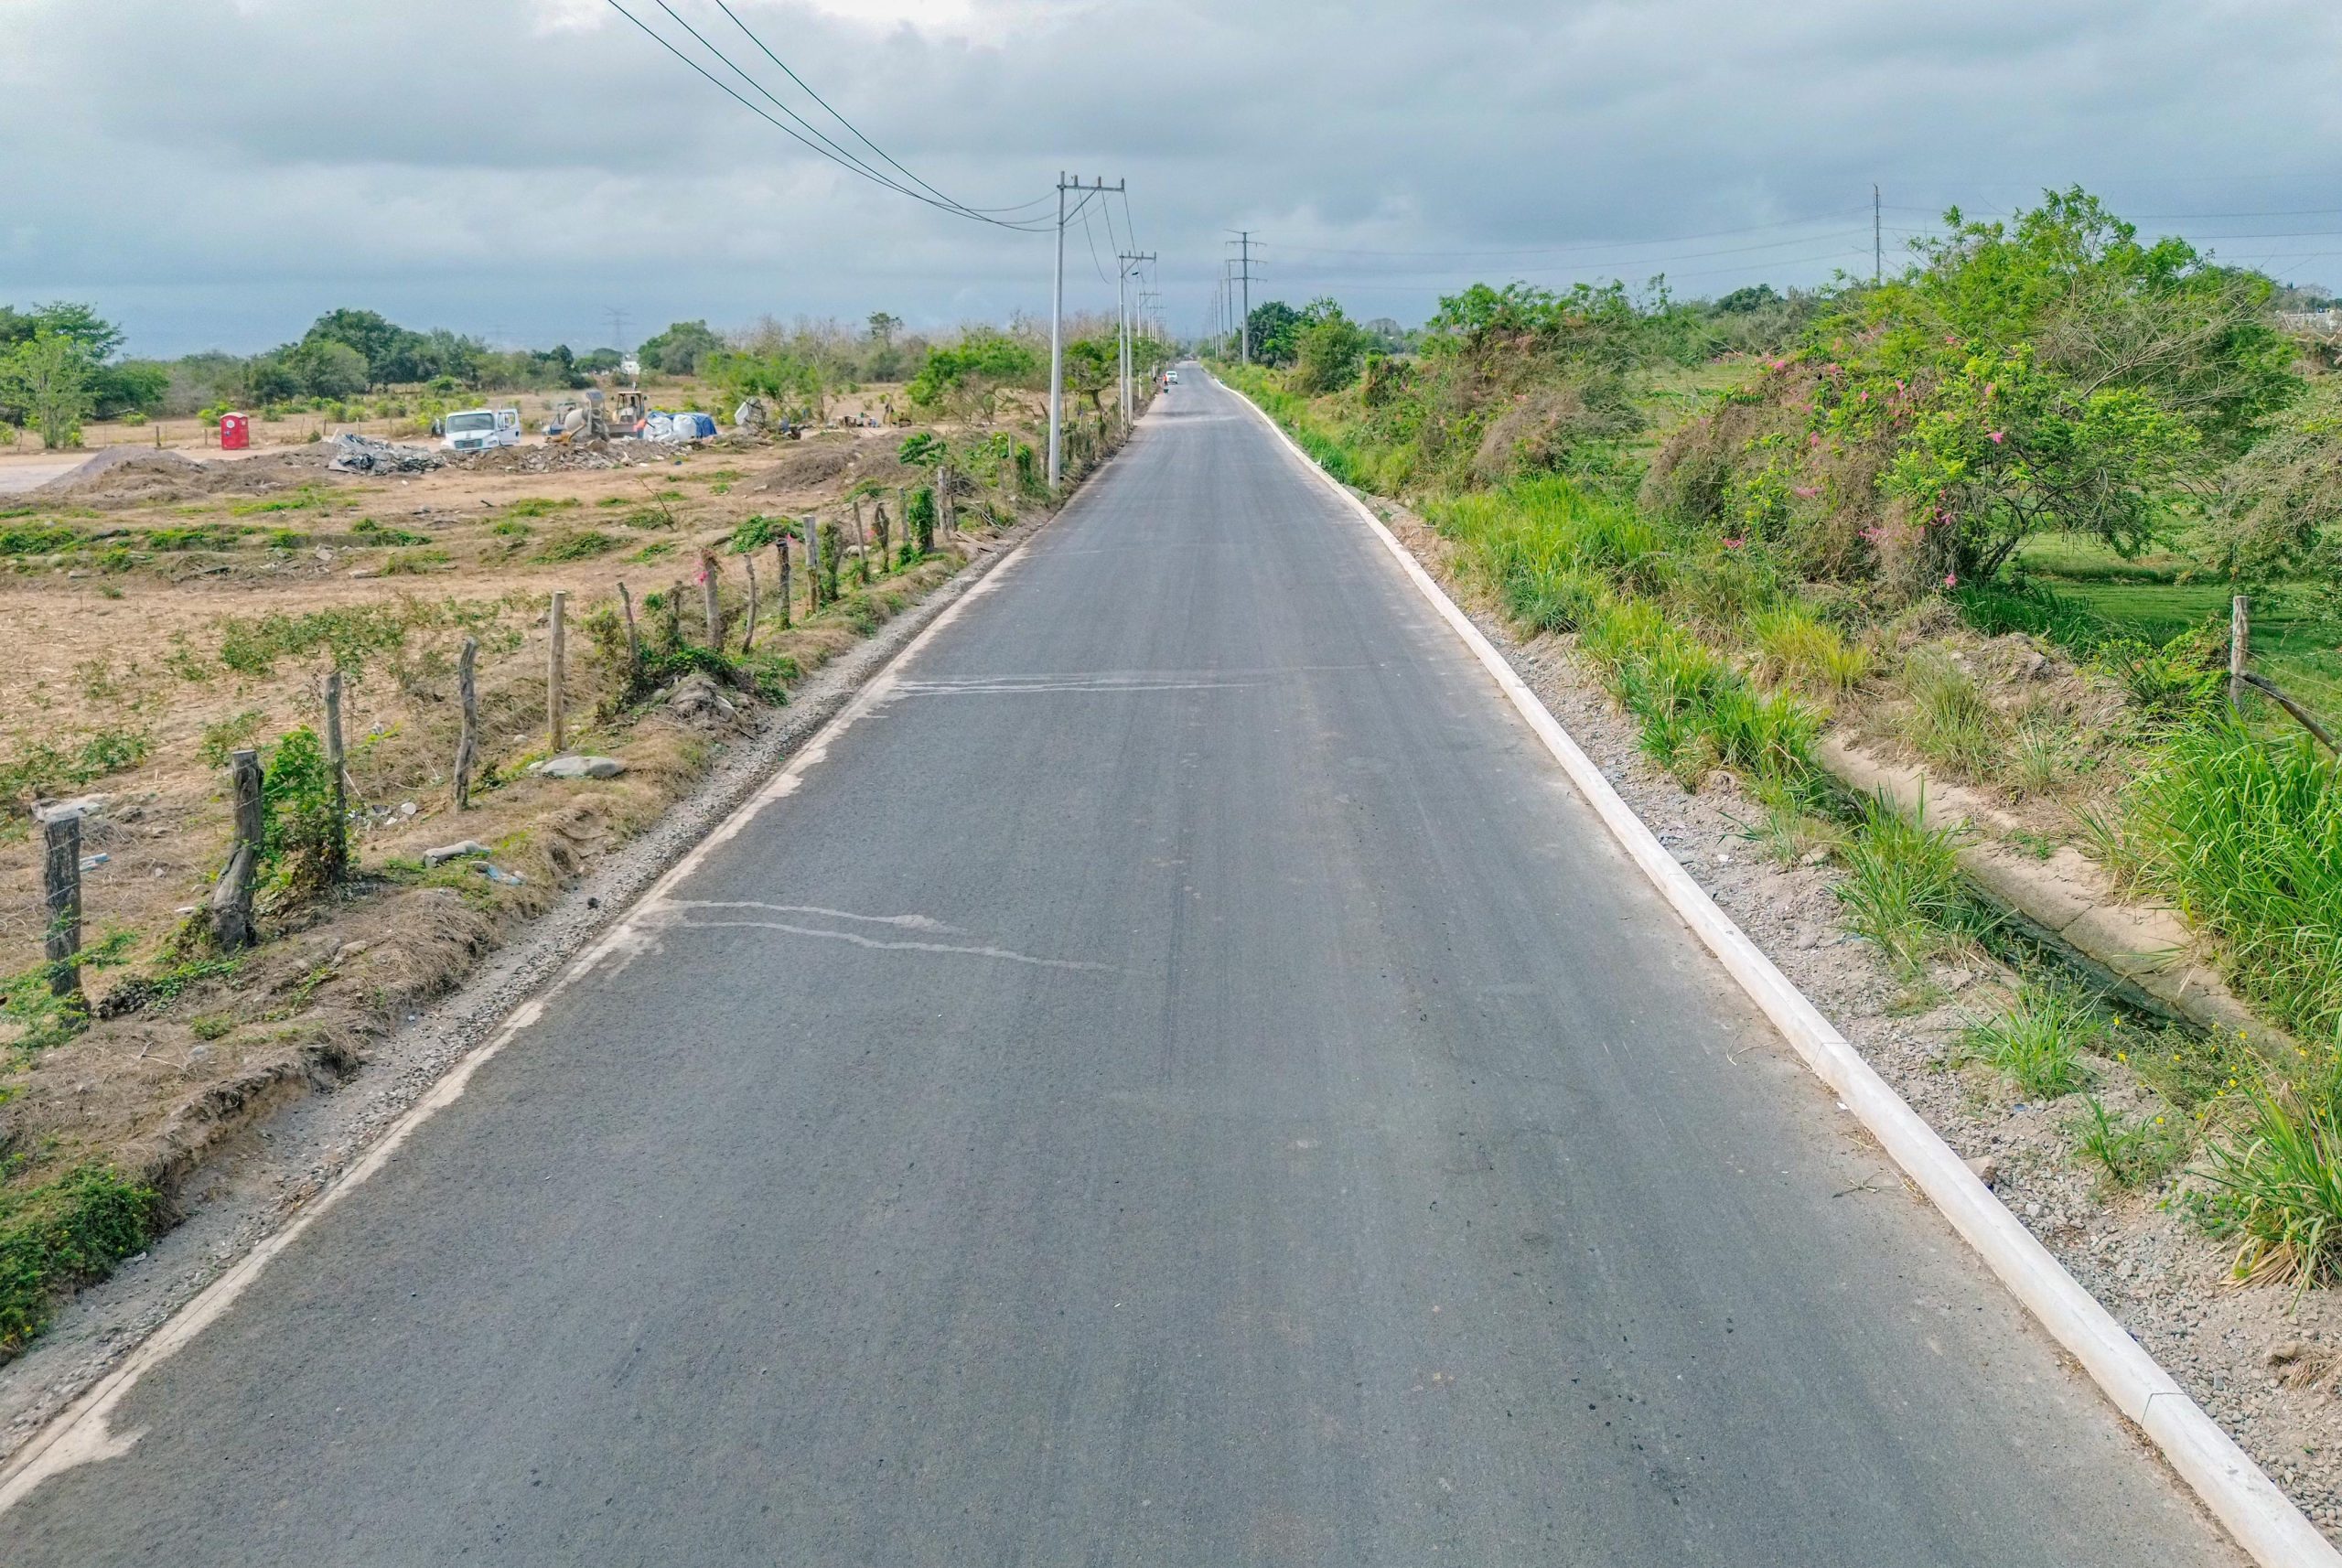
475,428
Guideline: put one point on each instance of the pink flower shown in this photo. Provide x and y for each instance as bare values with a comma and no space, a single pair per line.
1806,492
1996,437
1734,544
1862,397
1951,579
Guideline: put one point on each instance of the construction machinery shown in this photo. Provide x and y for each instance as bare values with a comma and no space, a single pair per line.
622,415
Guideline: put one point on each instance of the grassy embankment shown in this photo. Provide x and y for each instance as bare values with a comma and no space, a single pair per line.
1727,659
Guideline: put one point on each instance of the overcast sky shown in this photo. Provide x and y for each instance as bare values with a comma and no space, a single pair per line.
215,173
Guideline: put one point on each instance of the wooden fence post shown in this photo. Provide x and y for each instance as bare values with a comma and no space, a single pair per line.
556,649
711,609
467,740
781,546
60,886
232,897
884,528
2240,649
338,851
633,639
812,566
861,542
749,638
903,511
946,519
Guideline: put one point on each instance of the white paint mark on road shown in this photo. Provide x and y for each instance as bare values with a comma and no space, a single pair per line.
858,940
910,922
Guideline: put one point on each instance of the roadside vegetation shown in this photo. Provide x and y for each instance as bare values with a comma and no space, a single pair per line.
1986,518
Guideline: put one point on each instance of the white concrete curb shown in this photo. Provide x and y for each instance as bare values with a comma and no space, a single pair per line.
2263,1521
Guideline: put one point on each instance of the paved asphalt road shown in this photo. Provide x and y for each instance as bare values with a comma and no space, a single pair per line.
1184,1082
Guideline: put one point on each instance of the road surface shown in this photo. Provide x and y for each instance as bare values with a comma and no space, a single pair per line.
1184,1082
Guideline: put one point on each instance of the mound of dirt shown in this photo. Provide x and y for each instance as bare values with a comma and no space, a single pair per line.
820,460
143,475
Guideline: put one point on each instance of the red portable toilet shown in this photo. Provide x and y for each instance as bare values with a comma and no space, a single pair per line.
235,431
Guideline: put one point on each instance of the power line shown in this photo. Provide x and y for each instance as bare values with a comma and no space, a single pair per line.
856,130
1605,244
850,165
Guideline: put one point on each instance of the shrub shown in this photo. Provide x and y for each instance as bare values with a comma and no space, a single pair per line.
302,849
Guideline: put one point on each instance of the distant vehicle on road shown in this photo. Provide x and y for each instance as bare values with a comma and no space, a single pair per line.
1170,378
475,428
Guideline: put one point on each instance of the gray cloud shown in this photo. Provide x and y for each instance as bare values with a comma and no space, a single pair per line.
216,174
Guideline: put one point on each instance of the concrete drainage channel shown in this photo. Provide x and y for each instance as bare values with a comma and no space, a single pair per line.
243,1209
2262,1519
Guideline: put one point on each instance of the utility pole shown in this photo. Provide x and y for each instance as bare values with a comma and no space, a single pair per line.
618,327
1130,260
1877,243
1057,321
1244,275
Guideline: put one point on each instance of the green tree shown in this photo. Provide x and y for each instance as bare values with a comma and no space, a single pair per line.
386,349
681,349
327,368
1328,353
967,377
48,377
1271,328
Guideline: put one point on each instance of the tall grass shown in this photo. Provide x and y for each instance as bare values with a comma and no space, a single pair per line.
1950,723
2245,837
2043,1038
1902,890
2280,1186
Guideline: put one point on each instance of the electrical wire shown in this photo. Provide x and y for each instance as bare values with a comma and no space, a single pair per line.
1636,262
856,130
849,165
1601,244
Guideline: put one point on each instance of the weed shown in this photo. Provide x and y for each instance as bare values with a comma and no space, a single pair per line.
366,530
231,734
510,528
2246,838
542,506
211,1026
61,1233
2132,1153
1794,647
37,539
44,768
1951,722
198,536
2041,1040
308,498
408,562
2280,1185
578,544
1902,890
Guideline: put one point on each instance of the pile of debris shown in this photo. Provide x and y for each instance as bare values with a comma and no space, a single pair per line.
356,453
550,458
